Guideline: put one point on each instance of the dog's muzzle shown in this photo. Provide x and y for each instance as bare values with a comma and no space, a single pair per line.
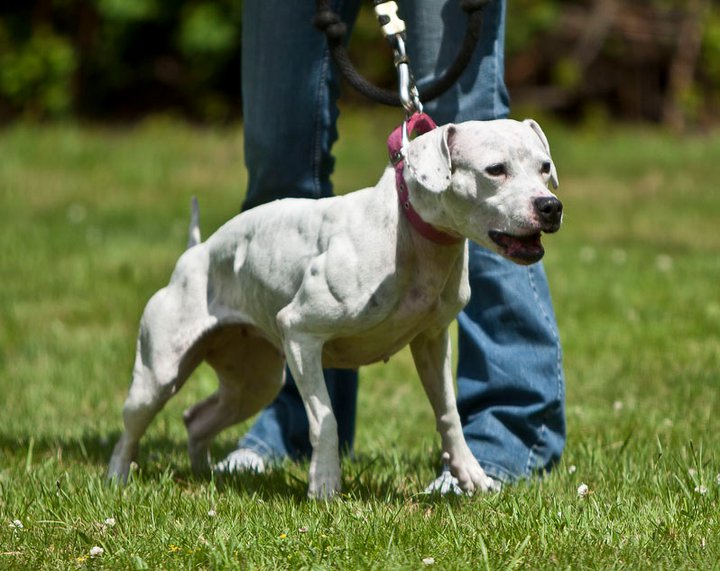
528,248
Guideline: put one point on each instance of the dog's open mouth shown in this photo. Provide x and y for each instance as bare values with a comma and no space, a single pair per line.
521,249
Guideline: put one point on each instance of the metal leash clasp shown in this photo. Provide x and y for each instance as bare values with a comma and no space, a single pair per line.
393,28
409,96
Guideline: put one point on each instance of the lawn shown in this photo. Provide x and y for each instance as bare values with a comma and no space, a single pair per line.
92,220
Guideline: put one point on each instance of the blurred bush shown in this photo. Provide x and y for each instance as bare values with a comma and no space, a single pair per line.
655,60
118,59
36,70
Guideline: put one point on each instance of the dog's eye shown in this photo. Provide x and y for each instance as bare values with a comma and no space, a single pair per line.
545,168
498,169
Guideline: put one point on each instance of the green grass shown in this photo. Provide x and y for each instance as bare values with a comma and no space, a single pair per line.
91,223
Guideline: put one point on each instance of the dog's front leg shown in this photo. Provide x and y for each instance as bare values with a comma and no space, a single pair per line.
432,356
304,357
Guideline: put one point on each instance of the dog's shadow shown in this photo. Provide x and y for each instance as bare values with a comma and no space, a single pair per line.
88,447
289,479
160,458
365,478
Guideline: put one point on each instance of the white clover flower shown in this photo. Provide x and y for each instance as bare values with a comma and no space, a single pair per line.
303,529
17,524
618,405
692,472
664,263
96,551
76,213
587,254
212,513
93,236
572,469
712,310
702,490
110,522
583,490
428,561
618,256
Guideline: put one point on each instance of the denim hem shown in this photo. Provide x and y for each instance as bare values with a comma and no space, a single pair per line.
532,456
252,442
498,472
270,454
505,476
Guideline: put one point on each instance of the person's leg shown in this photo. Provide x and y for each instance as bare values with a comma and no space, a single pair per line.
435,31
290,114
288,103
510,379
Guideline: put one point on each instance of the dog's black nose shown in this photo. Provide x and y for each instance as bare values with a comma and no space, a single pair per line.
549,210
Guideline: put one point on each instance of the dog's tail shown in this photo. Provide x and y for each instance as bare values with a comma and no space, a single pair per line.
194,230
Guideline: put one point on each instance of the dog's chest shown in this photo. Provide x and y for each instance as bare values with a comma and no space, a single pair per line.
417,311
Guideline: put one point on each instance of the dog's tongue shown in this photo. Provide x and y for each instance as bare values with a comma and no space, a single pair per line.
521,247
527,249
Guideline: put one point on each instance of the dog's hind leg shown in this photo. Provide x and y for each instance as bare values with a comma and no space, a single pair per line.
161,368
147,395
250,371
174,331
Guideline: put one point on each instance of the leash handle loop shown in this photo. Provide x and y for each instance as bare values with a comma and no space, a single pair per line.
335,30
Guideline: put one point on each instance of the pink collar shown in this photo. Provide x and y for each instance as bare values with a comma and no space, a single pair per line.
420,123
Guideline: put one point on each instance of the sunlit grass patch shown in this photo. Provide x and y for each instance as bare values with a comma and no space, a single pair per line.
91,223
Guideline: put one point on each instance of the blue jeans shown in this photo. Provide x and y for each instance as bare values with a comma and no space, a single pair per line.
510,379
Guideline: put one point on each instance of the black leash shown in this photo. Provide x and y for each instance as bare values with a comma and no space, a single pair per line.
394,30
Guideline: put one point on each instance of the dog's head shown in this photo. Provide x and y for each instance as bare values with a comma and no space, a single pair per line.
488,181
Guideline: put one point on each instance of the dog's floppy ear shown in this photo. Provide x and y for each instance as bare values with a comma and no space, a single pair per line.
428,159
543,139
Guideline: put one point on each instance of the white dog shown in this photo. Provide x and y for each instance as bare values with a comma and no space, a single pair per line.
342,282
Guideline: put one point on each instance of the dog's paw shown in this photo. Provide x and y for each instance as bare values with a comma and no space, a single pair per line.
324,484
119,471
323,491
199,459
470,476
446,484
121,462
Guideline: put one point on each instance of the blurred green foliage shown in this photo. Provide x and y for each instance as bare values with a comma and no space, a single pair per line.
711,47
36,72
121,59
527,20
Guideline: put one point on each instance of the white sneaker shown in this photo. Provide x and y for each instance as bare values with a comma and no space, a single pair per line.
446,483
241,460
